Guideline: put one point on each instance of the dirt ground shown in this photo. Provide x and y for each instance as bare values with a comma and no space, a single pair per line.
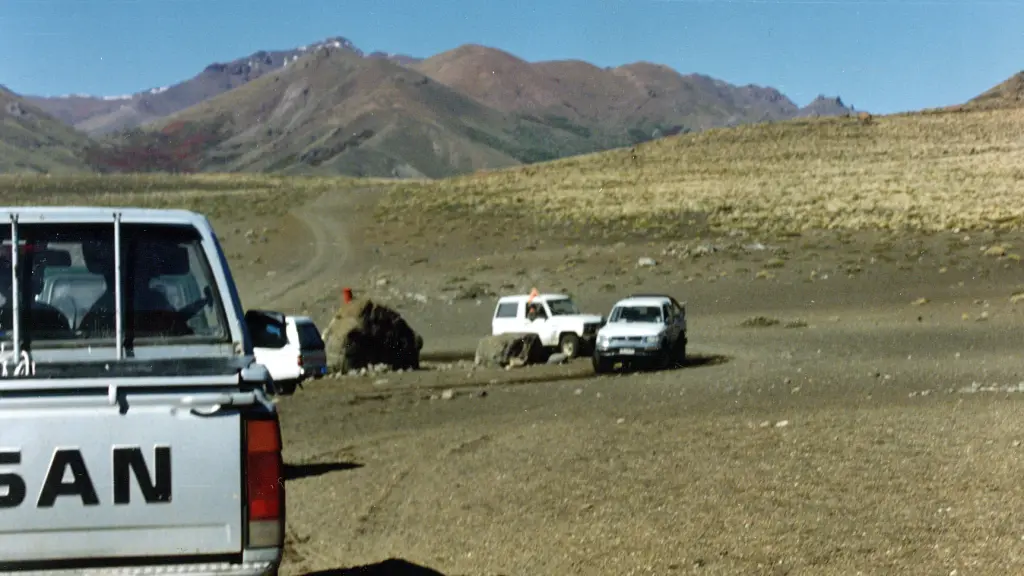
874,429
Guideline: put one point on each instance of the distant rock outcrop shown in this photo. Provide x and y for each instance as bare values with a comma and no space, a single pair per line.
825,106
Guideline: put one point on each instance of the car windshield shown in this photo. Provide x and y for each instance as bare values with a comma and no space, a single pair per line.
636,314
67,293
563,307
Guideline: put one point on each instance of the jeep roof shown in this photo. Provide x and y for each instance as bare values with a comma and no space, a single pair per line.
525,297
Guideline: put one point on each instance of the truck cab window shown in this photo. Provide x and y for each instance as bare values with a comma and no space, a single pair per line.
68,292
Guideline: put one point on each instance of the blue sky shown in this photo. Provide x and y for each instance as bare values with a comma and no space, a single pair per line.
882,56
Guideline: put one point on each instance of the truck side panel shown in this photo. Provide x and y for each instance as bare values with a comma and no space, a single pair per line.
81,478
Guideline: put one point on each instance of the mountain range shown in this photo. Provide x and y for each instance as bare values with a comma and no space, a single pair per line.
330,108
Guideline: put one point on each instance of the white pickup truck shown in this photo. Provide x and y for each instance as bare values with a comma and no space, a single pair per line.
648,328
554,318
136,435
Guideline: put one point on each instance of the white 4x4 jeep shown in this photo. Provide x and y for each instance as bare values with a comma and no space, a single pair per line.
558,322
643,327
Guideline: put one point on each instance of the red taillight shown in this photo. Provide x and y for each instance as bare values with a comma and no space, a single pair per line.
264,482
300,360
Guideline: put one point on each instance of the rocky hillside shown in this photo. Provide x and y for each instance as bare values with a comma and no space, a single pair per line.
334,111
102,115
1008,94
642,98
32,141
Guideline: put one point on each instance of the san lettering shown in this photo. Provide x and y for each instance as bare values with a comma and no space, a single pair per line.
127,462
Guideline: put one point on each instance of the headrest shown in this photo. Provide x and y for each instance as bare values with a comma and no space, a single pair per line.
46,257
53,257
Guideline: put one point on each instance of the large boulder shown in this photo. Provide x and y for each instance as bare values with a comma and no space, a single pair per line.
509,350
364,333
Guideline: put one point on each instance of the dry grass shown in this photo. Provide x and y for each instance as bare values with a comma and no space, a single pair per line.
219,196
930,171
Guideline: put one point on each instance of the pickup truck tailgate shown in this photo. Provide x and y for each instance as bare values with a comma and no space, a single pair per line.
82,477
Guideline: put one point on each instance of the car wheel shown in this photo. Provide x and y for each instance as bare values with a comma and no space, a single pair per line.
680,353
665,358
287,388
569,344
601,365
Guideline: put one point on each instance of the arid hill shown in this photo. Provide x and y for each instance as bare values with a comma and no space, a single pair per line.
102,115
642,96
335,112
1008,94
32,141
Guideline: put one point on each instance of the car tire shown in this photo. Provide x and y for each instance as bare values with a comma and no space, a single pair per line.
679,359
569,344
601,365
666,358
286,387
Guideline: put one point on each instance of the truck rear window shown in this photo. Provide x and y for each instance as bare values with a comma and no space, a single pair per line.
67,291
309,336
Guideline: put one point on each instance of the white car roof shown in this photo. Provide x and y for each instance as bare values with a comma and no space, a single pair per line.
525,297
643,301
129,214
300,319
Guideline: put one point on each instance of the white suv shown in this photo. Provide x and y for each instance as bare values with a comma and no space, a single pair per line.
643,327
555,320
289,346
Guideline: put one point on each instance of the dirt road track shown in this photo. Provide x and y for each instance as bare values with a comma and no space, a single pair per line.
331,256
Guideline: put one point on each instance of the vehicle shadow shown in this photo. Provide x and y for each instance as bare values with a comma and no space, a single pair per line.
447,356
699,360
299,471
692,361
389,567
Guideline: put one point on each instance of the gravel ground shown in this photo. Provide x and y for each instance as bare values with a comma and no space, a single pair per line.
881,436
854,460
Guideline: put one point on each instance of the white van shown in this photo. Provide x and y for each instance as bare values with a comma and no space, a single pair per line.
289,346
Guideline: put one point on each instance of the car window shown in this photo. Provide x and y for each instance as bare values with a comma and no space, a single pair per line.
507,310
636,314
67,292
265,330
562,307
309,336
